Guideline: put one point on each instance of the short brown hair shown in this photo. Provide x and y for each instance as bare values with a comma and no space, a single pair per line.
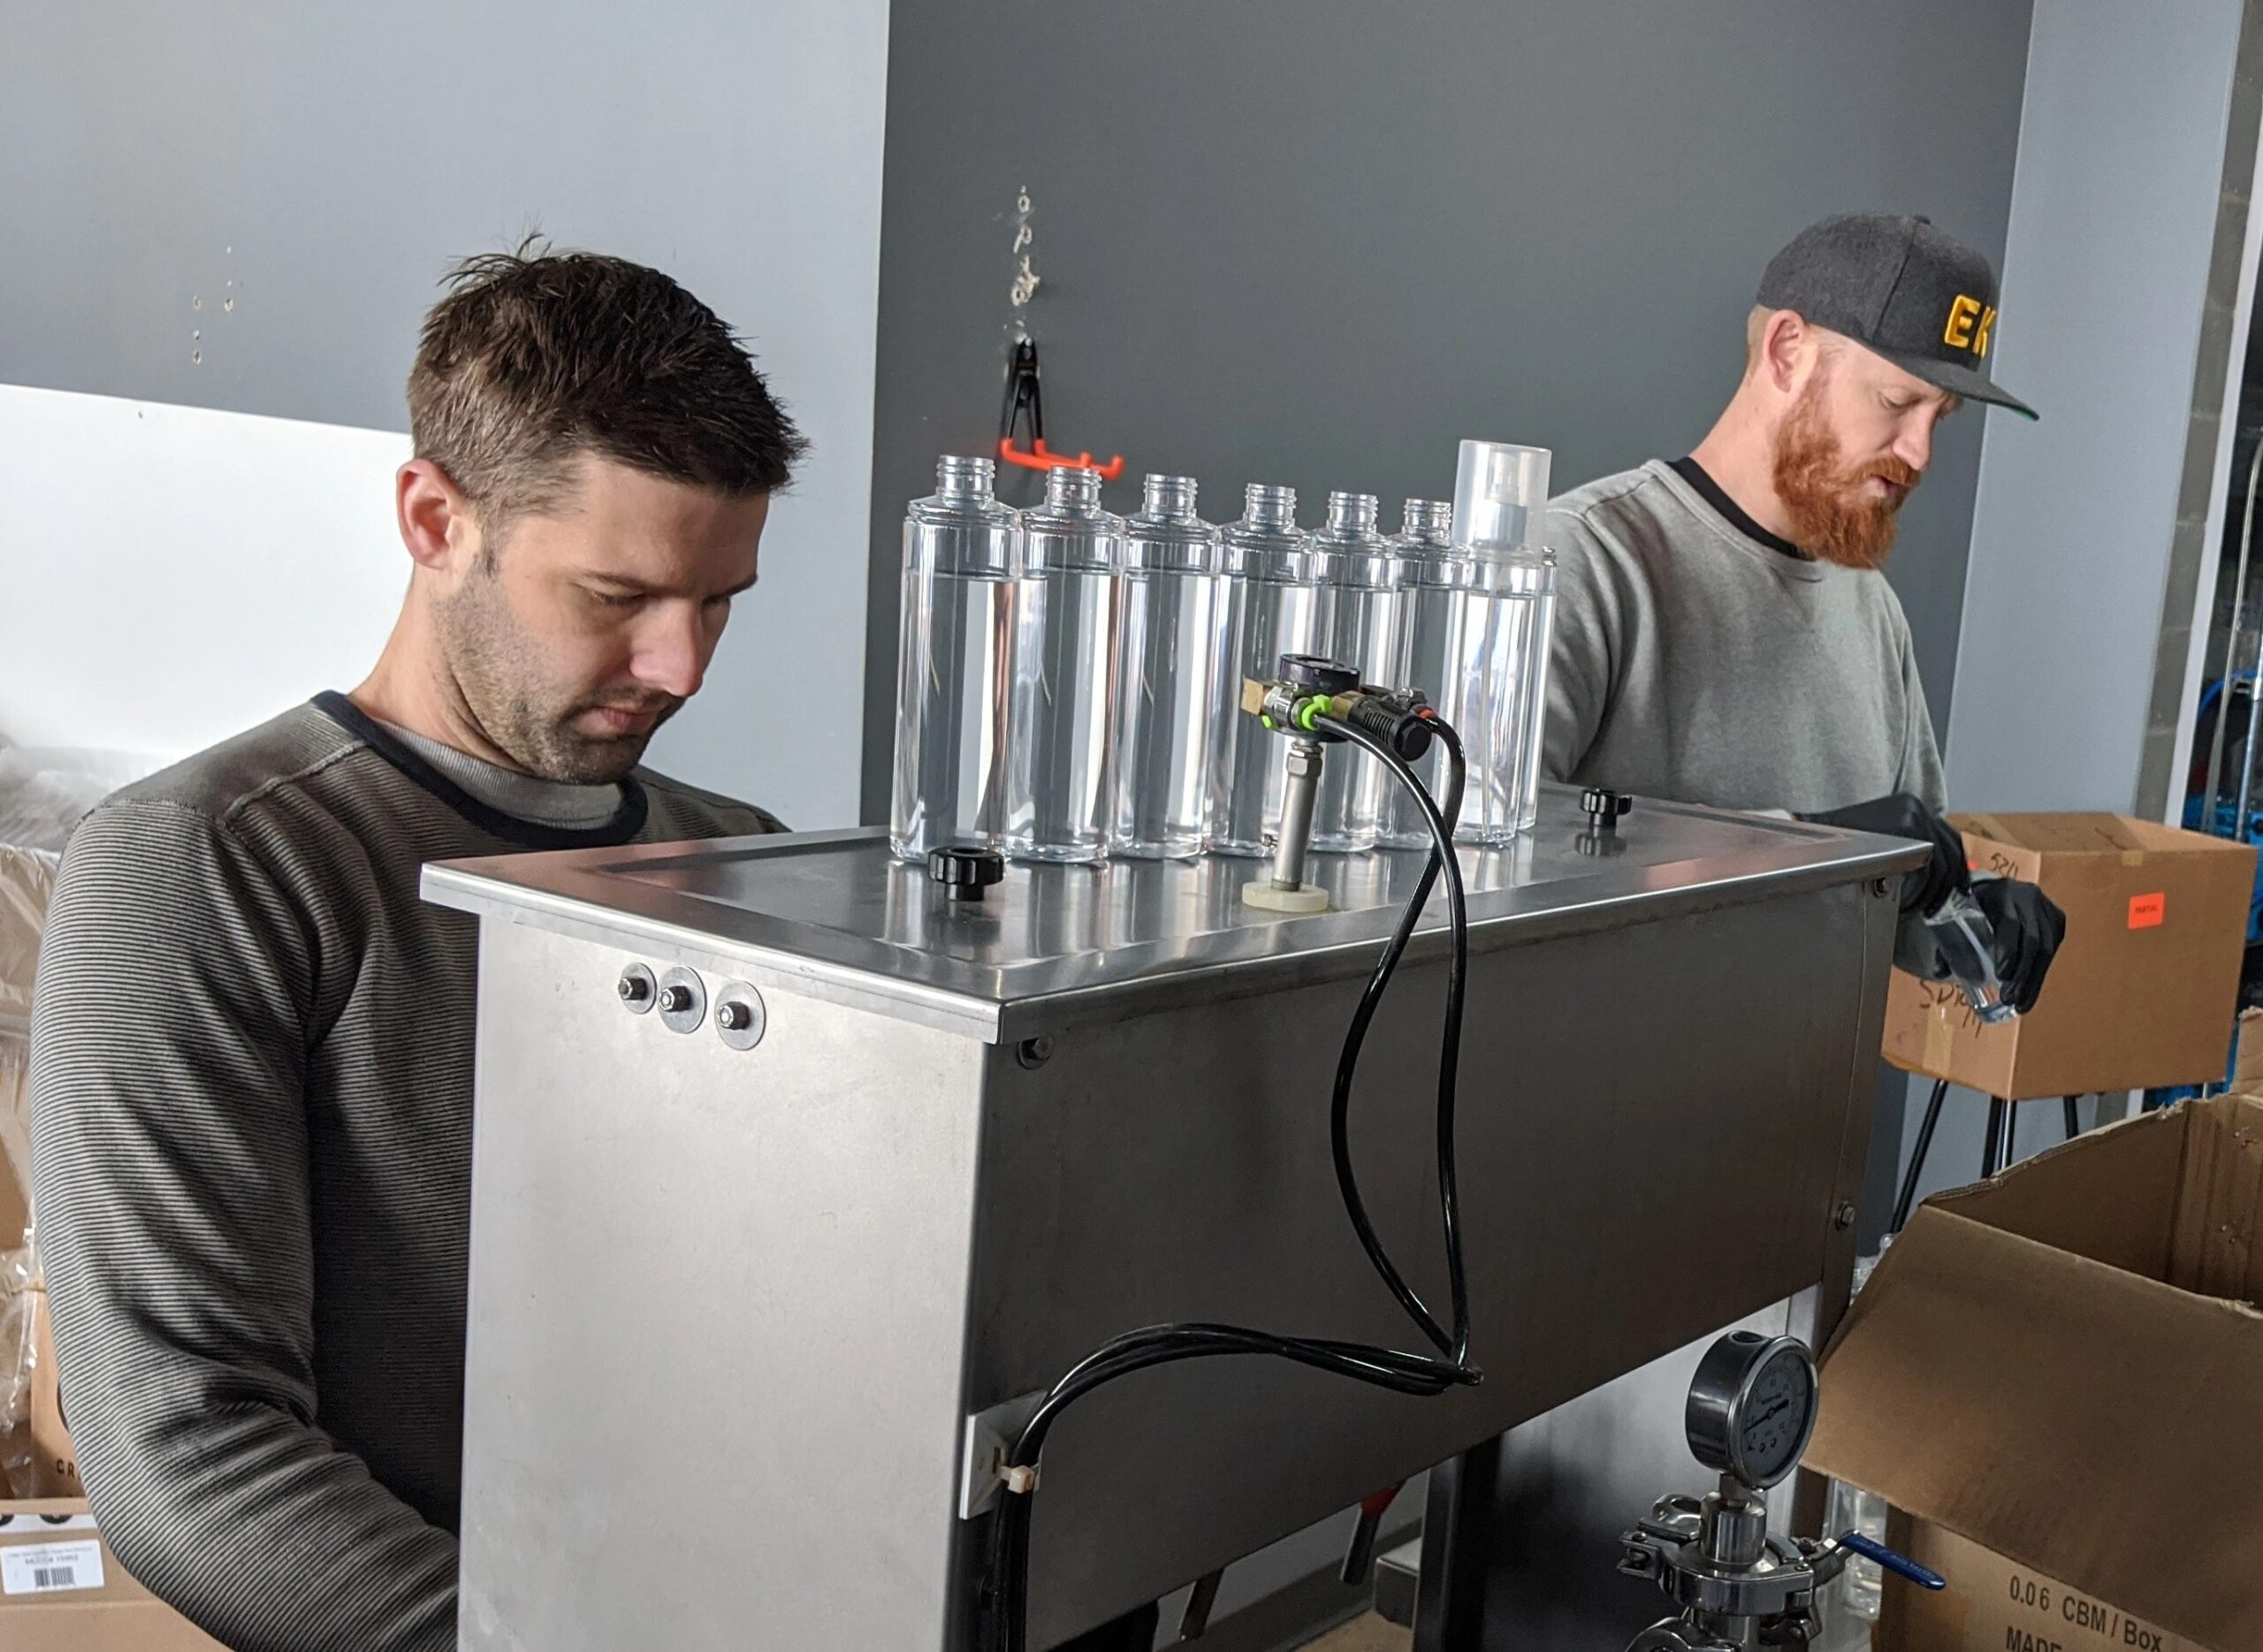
536,357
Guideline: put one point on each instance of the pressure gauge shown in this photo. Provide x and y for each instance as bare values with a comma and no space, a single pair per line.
1752,1406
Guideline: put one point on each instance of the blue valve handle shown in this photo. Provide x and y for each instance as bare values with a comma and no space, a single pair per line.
1901,1565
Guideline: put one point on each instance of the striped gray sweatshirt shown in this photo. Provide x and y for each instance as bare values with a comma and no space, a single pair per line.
251,1094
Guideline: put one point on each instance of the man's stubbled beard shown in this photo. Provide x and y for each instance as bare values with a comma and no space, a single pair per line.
501,673
1833,515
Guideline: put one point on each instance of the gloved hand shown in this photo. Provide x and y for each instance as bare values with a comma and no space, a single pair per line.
2029,927
1901,815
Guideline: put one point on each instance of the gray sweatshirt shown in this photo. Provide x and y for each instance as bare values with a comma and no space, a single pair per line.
1695,660
251,1094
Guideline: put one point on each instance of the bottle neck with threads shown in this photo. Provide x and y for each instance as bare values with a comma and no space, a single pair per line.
1072,489
1428,523
1169,499
1353,513
1362,557
965,530
963,481
1070,532
1269,507
1167,537
1266,543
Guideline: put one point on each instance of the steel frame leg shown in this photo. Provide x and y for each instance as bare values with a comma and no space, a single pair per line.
1999,1135
1908,1198
1457,1533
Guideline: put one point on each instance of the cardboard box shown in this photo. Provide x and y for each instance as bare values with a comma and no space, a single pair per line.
15,1136
55,1461
2064,1367
2247,1055
1992,1603
19,1478
26,879
62,1590
2144,987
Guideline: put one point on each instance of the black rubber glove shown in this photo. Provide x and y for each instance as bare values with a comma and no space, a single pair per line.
1901,815
2029,927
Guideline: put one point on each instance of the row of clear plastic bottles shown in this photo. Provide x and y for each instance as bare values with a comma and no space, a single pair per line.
1070,680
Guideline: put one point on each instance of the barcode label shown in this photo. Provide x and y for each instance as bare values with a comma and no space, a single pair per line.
45,1568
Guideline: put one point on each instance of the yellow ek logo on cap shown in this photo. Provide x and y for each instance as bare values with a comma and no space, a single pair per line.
1969,322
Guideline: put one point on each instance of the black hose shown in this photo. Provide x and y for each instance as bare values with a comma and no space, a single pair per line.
1456,1345
1005,1595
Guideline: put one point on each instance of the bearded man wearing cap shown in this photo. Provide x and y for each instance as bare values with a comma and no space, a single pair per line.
1723,634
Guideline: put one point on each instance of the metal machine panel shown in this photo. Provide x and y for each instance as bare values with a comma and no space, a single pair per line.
718,1297
731,1307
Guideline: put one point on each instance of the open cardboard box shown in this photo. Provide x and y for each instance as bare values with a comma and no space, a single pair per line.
62,1590
2064,1367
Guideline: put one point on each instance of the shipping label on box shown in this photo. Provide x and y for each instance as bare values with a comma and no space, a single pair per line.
63,1590
50,1568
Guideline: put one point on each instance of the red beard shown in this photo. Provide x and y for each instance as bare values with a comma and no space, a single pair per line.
1834,513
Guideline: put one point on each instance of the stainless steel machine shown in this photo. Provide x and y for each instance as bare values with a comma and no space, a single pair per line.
796,1180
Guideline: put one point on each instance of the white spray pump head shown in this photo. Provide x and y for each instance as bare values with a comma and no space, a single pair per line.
1499,492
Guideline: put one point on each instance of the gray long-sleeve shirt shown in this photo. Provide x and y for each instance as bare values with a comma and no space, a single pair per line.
252,1093
1695,662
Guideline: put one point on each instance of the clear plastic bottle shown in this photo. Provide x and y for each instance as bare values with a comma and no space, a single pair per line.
1494,689
959,555
1058,802
1277,601
1425,538
1368,633
1167,663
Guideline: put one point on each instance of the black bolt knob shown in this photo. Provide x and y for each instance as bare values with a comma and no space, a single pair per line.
1603,808
675,1000
964,870
734,1017
635,989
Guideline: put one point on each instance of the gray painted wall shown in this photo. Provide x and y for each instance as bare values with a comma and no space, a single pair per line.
320,166
2113,221
1319,241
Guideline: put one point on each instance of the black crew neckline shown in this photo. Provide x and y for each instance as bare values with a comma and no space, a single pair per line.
1711,492
626,821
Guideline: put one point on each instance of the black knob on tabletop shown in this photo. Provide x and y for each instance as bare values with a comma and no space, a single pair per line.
1603,808
964,870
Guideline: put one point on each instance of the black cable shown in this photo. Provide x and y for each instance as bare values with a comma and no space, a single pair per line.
1006,1595
1455,1346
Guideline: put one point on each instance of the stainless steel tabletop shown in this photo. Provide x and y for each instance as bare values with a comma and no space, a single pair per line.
836,914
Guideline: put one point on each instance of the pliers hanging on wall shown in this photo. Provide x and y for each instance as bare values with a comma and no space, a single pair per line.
1024,394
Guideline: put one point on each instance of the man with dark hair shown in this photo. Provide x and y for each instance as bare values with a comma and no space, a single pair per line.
252,1045
1723,635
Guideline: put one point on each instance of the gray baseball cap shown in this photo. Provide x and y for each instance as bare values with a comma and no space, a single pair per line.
1899,286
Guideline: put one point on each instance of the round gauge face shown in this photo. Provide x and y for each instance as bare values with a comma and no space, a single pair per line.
1769,1428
